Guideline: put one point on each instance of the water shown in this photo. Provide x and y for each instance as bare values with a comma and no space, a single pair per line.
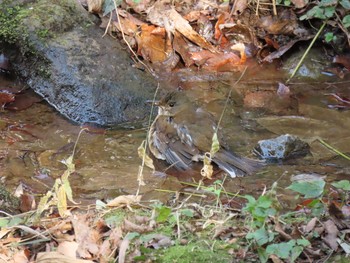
35,141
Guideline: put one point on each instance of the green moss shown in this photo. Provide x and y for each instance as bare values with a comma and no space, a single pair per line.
11,30
193,253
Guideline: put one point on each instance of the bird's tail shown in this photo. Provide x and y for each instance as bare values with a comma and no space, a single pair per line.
236,165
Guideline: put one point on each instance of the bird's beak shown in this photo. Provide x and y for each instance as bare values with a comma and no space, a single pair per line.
154,102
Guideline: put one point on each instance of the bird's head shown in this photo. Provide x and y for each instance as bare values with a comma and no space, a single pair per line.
172,103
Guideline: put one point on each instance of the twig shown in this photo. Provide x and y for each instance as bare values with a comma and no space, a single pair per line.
228,97
146,142
306,52
127,43
333,149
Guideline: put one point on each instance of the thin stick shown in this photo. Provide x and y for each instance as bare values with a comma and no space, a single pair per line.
334,150
228,97
146,142
127,43
306,52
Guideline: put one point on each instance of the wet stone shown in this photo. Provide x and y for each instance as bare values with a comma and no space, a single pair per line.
281,148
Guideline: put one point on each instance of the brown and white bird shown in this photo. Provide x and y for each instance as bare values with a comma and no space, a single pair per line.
182,133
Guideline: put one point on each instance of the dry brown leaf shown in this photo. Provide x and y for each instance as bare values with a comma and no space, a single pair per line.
95,6
124,200
332,232
153,45
129,23
122,250
239,7
56,257
219,62
113,242
161,15
311,225
87,237
139,6
132,227
68,248
159,241
27,203
300,3
20,257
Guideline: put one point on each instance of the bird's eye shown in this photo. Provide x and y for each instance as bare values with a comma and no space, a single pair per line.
171,104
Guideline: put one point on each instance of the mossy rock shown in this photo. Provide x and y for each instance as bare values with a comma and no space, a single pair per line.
61,54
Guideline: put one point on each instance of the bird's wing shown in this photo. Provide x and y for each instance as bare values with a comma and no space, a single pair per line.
168,143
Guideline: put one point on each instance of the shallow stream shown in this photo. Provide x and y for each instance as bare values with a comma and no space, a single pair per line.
34,141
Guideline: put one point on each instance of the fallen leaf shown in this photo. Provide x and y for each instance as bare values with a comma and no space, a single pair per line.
56,257
300,3
20,257
239,7
343,60
153,44
311,225
331,237
88,239
68,248
124,201
219,62
166,16
132,227
95,6
207,170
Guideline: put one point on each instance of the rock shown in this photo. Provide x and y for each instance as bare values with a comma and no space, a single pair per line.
281,148
62,56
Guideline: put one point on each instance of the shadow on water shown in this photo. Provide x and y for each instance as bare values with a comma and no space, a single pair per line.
34,141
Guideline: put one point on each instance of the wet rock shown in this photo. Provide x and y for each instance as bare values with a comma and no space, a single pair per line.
281,148
62,56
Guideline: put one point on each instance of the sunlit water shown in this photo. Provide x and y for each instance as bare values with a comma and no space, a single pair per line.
35,141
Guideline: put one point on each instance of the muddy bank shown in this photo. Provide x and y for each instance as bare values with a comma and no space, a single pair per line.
60,52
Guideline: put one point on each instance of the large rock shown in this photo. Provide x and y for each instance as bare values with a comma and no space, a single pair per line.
62,56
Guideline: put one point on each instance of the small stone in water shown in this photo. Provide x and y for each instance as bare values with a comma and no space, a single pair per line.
281,148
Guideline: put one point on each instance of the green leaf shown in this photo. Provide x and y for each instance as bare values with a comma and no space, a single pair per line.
328,3
329,37
317,207
345,4
264,201
282,250
131,235
310,189
187,212
296,251
4,222
343,184
15,221
108,6
329,11
346,21
163,214
315,12
303,242
261,236
262,255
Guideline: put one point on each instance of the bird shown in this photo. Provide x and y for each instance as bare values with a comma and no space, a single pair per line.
182,133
